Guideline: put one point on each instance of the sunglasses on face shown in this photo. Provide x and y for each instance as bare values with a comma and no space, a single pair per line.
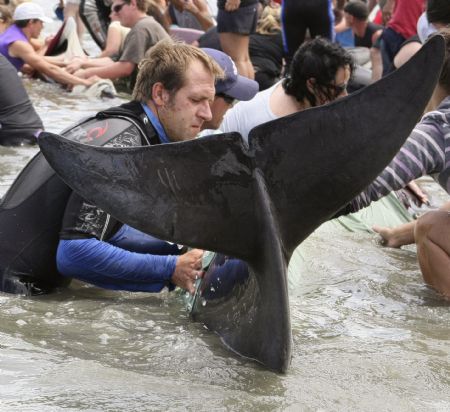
228,99
116,9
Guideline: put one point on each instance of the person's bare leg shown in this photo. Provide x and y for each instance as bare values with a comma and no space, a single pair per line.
432,234
403,234
397,236
236,46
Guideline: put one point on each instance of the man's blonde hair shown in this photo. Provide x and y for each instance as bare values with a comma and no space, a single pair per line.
167,63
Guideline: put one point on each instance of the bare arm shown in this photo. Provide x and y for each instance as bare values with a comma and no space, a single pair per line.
200,10
112,71
86,63
26,52
113,41
388,10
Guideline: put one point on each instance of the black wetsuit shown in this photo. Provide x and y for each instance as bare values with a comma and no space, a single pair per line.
19,122
32,211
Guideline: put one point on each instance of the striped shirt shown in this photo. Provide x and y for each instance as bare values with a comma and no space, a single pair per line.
425,152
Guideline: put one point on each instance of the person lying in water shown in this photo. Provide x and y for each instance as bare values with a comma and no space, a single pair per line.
425,152
15,45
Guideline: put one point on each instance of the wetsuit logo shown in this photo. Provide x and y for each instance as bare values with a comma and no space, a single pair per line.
96,132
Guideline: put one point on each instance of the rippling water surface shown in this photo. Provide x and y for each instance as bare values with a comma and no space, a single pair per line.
368,335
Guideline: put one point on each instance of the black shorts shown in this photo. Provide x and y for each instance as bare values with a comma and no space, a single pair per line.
241,21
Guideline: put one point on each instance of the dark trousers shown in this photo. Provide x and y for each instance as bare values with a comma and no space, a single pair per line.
391,42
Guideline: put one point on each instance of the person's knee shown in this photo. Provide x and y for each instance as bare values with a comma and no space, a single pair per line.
433,226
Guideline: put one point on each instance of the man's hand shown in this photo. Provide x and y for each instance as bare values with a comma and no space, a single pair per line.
75,65
388,10
188,270
232,5
190,6
91,80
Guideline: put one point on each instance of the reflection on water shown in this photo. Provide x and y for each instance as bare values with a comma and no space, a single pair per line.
368,335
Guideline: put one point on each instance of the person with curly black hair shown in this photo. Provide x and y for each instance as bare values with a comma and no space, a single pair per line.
319,73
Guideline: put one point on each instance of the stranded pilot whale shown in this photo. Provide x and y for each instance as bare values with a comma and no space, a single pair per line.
254,204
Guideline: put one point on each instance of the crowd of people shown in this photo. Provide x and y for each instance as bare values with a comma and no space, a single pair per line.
296,53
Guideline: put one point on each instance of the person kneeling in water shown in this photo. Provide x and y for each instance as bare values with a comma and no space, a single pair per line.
172,98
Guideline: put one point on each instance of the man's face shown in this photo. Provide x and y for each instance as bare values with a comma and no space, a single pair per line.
122,11
219,107
339,85
348,18
182,115
36,28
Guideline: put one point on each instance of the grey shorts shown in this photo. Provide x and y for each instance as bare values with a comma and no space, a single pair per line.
242,21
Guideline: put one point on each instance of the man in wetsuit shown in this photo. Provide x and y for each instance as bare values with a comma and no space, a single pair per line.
19,122
172,97
172,100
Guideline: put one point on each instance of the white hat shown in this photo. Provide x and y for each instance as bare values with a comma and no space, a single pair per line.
28,11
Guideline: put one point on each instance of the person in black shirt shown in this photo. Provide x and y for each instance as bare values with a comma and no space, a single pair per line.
19,122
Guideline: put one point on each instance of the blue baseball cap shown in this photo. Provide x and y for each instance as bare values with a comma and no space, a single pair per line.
234,85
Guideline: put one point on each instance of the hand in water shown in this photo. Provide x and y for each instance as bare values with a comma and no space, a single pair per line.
75,64
188,269
91,80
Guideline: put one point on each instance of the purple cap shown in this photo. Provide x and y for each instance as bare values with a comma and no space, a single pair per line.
234,85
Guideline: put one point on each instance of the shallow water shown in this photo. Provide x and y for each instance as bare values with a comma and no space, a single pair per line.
368,334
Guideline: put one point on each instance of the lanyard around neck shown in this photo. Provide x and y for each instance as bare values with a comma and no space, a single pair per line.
156,124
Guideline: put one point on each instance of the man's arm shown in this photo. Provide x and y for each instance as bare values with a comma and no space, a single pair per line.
111,267
78,63
199,9
388,10
26,52
113,71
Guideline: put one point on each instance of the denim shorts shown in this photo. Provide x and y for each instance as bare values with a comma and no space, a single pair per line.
241,21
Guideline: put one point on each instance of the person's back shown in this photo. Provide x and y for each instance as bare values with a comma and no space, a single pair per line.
19,122
406,14
402,25
145,34
12,34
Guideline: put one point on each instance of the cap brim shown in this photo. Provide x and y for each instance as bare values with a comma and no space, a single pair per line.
244,89
45,19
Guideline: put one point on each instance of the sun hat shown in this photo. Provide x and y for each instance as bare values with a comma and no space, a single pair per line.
28,11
